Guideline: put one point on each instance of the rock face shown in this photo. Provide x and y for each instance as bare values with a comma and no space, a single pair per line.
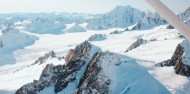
111,73
60,76
48,77
97,37
136,44
169,27
42,59
180,59
90,83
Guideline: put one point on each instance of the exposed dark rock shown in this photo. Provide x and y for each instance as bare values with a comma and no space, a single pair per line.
177,60
117,32
181,36
81,52
127,29
60,76
153,39
42,59
48,77
170,27
1,44
90,83
97,37
60,58
136,44
137,26
164,63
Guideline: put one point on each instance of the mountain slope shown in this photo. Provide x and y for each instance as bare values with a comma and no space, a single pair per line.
62,76
12,40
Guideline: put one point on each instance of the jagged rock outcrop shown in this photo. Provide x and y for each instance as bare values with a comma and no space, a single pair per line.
136,44
93,76
48,77
60,76
180,59
181,36
111,73
117,32
170,27
90,71
42,59
97,37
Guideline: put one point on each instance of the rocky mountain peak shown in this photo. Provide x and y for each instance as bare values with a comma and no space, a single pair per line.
82,51
180,59
62,75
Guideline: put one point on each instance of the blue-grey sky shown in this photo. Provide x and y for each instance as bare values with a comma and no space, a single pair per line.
82,6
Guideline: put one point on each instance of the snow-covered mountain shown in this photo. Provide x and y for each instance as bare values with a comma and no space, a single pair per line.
126,16
185,16
45,26
121,16
54,23
150,20
12,40
76,28
102,59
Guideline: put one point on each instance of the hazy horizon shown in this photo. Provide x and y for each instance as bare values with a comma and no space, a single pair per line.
82,6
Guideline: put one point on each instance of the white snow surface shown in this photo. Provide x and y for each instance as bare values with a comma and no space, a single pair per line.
139,70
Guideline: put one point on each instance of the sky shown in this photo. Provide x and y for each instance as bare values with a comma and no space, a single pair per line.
82,6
